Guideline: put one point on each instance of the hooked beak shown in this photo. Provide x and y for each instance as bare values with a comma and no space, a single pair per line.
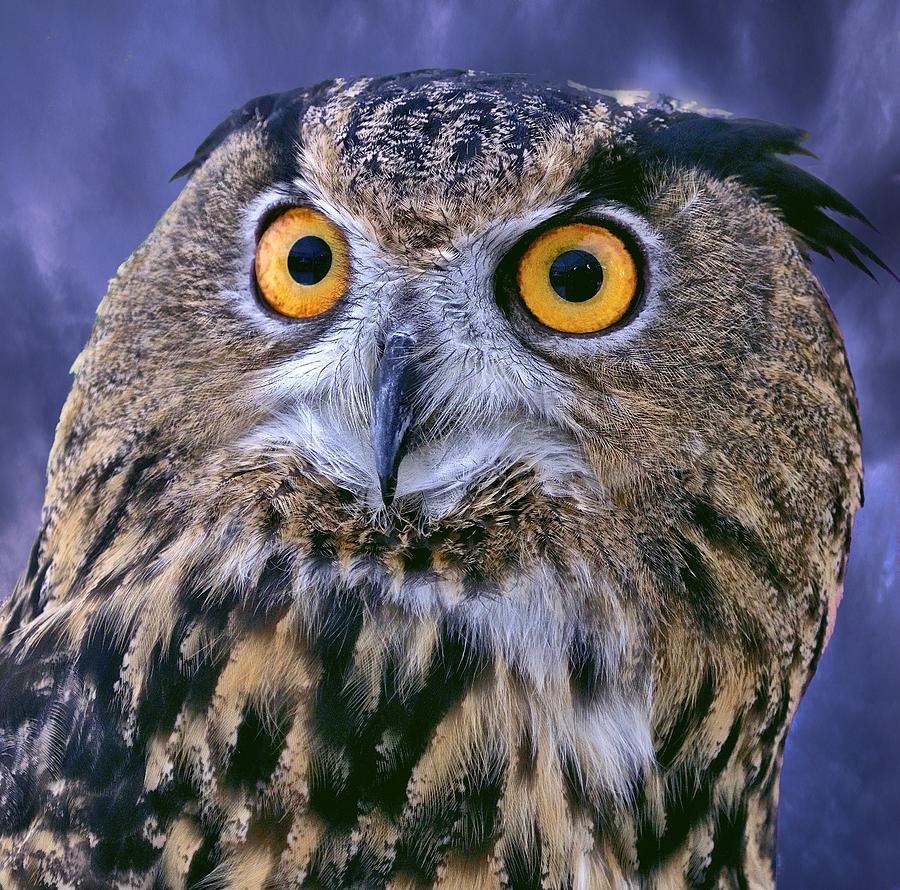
391,412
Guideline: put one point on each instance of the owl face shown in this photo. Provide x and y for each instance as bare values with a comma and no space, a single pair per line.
369,401
496,325
437,189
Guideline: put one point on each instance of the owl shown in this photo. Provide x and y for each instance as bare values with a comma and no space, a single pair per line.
454,492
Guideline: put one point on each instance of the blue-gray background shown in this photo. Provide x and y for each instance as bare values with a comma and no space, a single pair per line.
100,103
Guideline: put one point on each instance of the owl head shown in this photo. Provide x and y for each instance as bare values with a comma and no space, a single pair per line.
484,314
453,330
536,375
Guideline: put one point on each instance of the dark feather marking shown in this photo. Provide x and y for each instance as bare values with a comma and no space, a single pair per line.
205,672
838,512
197,602
329,795
111,525
698,584
59,713
693,712
688,801
274,590
96,752
26,608
259,745
333,638
166,685
472,544
682,569
770,733
117,816
59,814
705,600
588,676
110,583
203,861
19,793
523,864
23,696
728,850
382,751
417,557
99,661
461,818
168,801
848,533
526,752
577,797
37,589
374,543
95,763
322,547
147,495
34,556
818,649
195,594
326,871
367,867
474,830
103,475
94,478
726,531
455,668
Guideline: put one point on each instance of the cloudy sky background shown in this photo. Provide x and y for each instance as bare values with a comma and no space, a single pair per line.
102,102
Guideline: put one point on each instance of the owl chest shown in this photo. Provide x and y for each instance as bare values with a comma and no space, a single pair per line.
373,745
356,747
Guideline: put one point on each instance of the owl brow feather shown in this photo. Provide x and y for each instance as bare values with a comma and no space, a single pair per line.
745,149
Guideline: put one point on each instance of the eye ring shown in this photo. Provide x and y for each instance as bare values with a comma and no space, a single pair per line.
578,278
302,263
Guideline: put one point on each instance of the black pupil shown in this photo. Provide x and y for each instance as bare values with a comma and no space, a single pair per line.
309,260
576,275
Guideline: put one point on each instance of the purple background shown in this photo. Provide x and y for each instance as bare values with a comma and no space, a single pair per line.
102,102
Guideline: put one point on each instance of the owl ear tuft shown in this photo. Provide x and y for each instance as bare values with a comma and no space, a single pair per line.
255,111
749,151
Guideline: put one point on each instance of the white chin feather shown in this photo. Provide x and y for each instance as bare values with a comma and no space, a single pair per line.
438,473
441,472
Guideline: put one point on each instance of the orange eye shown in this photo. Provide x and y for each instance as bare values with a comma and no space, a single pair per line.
302,263
578,278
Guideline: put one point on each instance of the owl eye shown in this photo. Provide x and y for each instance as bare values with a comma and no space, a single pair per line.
578,278
302,263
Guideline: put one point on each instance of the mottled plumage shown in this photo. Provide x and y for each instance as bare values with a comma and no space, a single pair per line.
566,655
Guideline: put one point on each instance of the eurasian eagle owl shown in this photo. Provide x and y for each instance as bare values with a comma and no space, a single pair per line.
454,491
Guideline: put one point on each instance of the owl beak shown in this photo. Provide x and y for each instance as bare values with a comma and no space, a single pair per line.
391,412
